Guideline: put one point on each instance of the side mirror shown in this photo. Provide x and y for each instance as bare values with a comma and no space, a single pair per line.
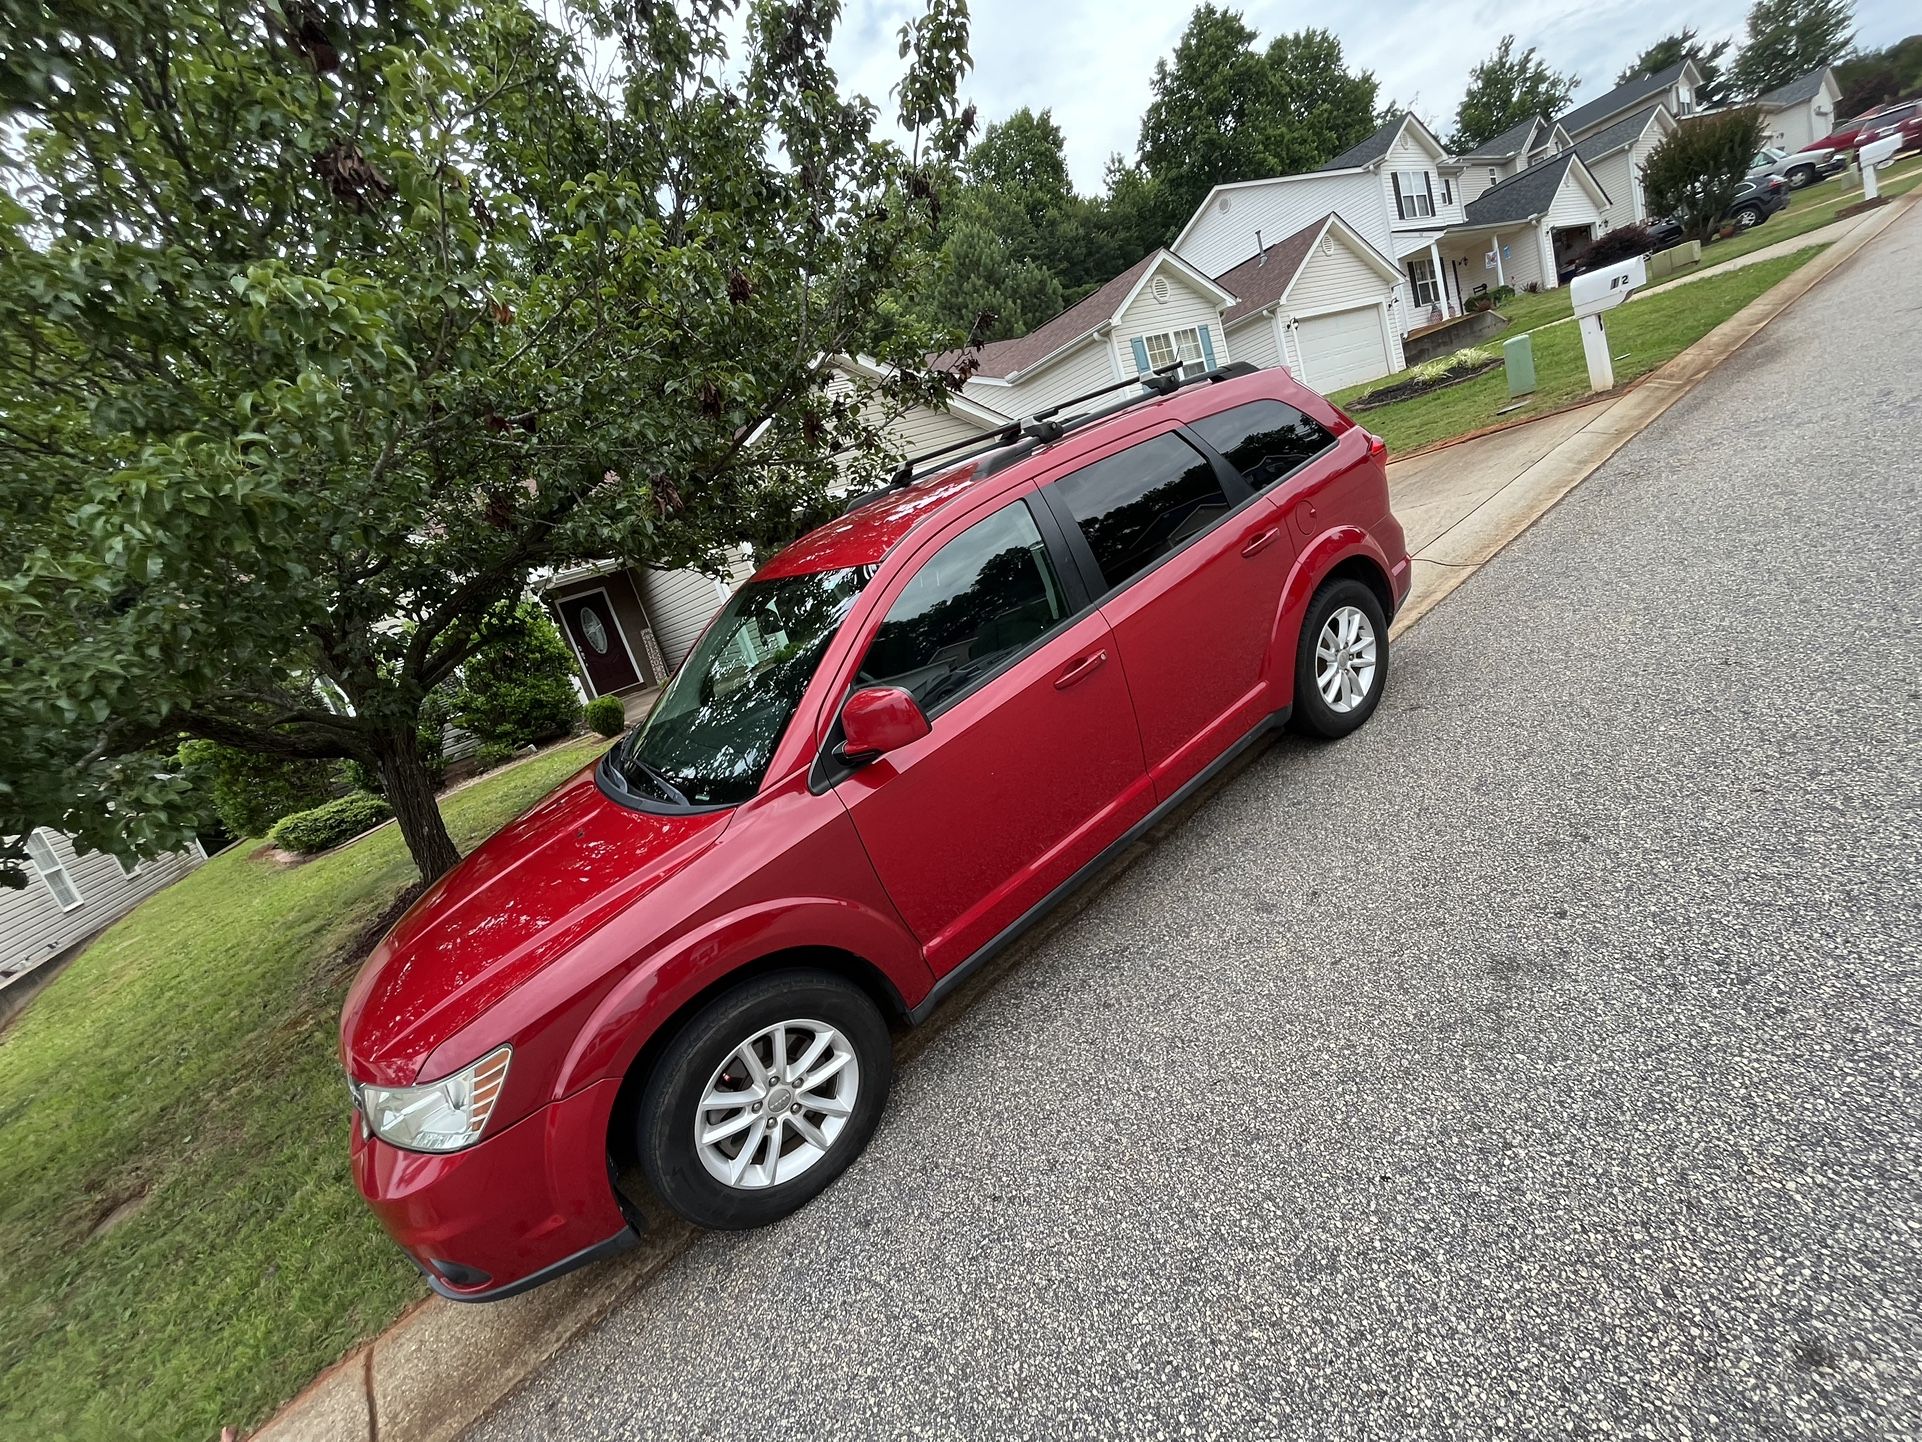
878,720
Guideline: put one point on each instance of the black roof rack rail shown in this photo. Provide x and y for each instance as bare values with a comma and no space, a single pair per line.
1021,438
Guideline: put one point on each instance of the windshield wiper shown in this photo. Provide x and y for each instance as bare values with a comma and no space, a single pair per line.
659,778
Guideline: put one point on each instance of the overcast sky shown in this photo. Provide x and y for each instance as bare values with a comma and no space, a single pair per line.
1090,60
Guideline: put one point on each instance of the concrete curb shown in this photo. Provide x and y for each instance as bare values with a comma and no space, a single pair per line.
1455,555
444,1365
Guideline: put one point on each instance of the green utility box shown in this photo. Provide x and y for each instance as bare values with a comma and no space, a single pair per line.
1518,356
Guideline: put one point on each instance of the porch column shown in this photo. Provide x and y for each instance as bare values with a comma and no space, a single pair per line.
1441,280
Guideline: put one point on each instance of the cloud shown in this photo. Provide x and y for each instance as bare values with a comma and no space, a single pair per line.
1090,61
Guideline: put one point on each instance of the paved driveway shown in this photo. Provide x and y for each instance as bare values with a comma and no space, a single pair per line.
1540,1062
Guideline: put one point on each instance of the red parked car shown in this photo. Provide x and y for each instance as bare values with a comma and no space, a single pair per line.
1851,135
899,744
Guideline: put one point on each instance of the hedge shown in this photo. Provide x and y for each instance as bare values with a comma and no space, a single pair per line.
607,715
327,826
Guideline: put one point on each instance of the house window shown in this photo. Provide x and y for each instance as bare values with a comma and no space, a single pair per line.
1493,178
1421,274
1170,346
1448,192
1684,102
48,864
1414,194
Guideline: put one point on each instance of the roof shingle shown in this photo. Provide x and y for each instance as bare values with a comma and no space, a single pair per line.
1641,87
1803,87
1613,137
1260,280
1519,196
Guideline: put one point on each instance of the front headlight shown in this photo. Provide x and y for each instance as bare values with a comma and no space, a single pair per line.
443,1116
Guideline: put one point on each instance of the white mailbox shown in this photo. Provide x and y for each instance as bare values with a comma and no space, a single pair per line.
1878,153
1604,289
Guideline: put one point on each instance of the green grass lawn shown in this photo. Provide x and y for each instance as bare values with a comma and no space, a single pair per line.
1808,210
188,1059
1641,337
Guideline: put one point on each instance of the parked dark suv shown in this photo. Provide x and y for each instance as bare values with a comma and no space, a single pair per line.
896,746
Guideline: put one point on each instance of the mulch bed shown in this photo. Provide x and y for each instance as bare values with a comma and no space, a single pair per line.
1861,205
1412,387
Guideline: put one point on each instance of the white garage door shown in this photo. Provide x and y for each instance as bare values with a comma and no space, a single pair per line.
1342,349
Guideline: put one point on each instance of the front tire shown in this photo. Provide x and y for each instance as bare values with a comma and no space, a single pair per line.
1747,218
1341,662
1801,177
767,1095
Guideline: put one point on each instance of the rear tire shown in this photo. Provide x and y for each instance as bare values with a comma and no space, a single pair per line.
1341,661
764,1043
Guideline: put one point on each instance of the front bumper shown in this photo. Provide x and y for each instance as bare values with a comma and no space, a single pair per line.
515,1210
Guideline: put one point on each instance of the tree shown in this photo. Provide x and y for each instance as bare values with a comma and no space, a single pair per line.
323,326
1789,38
1692,175
520,689
1503,91
1675,48
1222,111
1877,77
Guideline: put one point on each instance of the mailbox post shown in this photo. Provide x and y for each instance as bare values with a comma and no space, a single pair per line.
1872,157
1594,294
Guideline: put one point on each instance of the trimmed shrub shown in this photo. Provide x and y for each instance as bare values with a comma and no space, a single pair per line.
520,689
250,792
607,715
1501,293
1625,242
307,832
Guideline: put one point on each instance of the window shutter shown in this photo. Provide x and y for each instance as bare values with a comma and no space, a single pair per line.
1428,185
1141,355
1394,179
1207,348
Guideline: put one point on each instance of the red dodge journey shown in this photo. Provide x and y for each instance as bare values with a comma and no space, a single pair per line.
900,743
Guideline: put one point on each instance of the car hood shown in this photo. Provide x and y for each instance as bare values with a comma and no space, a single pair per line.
532,890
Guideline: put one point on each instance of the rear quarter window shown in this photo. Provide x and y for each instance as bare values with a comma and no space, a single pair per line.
1264,440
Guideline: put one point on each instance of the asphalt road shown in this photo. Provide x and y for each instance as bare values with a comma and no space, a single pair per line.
1540,1062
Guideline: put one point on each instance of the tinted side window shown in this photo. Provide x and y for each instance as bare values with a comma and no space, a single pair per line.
1264,440
1139,504
987,594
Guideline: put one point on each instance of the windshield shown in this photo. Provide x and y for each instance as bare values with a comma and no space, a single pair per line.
709,739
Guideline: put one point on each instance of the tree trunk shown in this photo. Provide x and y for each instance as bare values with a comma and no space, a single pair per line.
410,791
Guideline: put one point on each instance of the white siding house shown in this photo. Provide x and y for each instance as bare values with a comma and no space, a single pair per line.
1674,87
69,896
1801,112
1319,302
1521,231
1616,154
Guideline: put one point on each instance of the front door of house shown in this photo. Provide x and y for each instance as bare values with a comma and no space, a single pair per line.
597,637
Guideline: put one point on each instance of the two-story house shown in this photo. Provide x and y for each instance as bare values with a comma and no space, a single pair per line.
1801,112
1508,154
1616,153
1675,87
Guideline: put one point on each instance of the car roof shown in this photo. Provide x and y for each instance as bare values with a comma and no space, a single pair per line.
866,534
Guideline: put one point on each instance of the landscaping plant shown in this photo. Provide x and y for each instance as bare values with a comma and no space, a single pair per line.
250,792
607,716
1625,242
1691,176
325,827
323,326
519,691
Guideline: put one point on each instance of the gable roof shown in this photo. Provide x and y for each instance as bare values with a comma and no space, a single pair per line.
1524,195
1377,145
1803,87
1622,97
1263,279
1618,135
1510,143
1002,359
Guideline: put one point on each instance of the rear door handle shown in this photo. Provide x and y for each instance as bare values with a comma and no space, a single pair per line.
1262,542
1081,670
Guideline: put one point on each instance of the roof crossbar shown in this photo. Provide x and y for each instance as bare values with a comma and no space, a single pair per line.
1021,438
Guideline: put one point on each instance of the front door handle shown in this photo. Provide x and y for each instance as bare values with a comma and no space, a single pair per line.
1081,670
1262,542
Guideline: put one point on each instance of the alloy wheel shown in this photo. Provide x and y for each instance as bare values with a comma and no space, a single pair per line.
776,1103
1345,659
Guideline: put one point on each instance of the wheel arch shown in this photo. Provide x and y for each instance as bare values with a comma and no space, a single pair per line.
1341,553
837,961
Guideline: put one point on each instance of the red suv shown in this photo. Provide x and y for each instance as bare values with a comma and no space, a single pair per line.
898,745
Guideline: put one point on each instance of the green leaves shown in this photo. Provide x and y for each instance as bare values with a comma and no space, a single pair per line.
1503,91
1692,175
315,343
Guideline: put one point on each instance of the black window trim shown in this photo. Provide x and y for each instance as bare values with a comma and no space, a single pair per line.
829,770
1233,484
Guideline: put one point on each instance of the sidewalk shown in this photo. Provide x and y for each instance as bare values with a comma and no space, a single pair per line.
1461,503
444,1365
